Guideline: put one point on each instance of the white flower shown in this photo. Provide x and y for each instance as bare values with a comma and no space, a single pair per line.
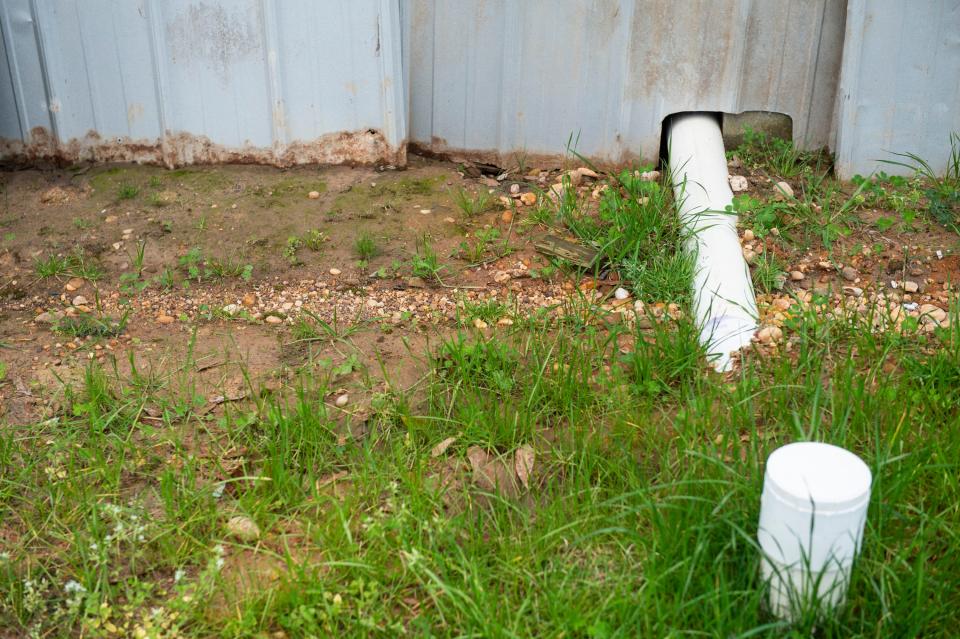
72,587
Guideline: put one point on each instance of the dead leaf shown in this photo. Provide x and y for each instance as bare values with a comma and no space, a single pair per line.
478,458
442,447
523,464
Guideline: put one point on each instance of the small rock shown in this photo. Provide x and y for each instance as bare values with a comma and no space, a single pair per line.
738,183
231,309
74,284
589,173
910,286
621,293
939,255
314,195
110,219
425,211
783,190
79,300
796,276
650,176
286,306
335,271
769,334
449,220
748,236
273,319
165,319
117,246
243,528
128,231
479,323
501,276
849,273
504,321
249,300
48,317
529,199
506,217
514,189
775,232
342,400
854,291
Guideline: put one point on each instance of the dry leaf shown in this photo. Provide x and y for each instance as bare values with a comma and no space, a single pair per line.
523,464
478,458
442,447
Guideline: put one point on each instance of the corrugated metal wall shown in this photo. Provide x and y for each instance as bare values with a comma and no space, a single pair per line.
287,81
509,77
187,81
900,86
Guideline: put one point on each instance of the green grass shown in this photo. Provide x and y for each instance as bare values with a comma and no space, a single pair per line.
365,246
473,204
127,191
768,272
75,264
638,233
774,155
638,518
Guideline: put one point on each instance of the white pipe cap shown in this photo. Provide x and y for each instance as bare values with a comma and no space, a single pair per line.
813,476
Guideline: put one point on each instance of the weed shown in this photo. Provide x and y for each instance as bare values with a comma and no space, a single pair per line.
365,246
488,310
81,224
315,239
775,155
157,200
485,241
425,263
472,205
52,266
191,262
290,250
88,325
127,191
769,272
942,192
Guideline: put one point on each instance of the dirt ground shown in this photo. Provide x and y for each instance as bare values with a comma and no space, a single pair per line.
253,275
263,252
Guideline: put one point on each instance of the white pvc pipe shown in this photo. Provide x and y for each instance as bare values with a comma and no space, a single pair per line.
723,299
812,514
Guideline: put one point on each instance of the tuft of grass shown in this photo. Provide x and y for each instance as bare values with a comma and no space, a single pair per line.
768,272
89,325
425,263
942,192
774,155
127,191
52,266
365,246
472,205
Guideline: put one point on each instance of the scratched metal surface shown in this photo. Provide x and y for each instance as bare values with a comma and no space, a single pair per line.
182,81
900,84
508,77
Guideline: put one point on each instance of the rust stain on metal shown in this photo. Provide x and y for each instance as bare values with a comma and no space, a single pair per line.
365,147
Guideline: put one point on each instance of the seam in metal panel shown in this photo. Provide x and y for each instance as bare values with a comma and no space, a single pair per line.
18,95
159,73
271,42
45,71
391,75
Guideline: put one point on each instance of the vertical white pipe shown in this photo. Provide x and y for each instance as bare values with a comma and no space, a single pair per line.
723,299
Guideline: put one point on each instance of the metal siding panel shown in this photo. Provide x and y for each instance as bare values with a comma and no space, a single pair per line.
900,84
505,77
184,81
26,71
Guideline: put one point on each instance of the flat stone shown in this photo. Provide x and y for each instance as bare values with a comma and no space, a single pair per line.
738,183
796,276
528,199
165,319
783,190
243,528
273,319
79,300
849,273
